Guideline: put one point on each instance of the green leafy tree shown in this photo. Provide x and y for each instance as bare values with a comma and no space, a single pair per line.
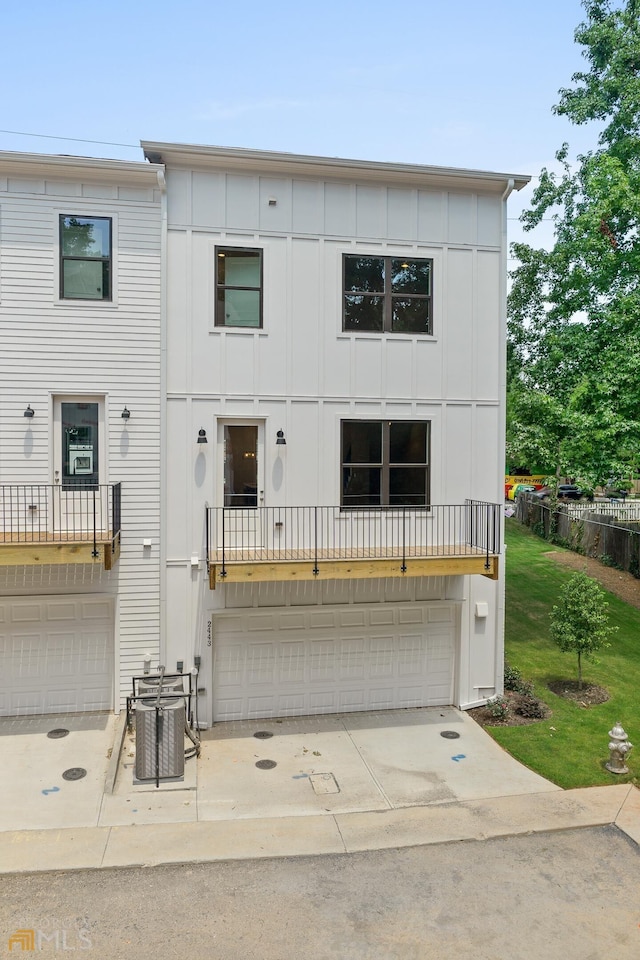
579,621
574,310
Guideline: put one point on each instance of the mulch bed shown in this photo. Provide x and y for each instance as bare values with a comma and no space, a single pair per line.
590,695
483,716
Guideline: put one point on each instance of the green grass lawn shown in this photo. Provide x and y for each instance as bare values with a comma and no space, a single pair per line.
571,747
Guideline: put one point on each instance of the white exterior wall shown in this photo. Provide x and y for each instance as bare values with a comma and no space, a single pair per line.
303,374
107,349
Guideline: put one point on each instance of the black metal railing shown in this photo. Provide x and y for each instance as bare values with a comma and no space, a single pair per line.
325,533
49,513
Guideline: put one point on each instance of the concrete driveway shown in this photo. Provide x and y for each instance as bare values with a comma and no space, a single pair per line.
354,762
319,765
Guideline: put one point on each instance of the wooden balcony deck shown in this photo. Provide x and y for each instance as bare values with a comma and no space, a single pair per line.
26,548
47,524
261,565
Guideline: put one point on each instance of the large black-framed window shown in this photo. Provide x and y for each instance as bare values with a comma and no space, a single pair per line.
385,463
85,258
387,294
238,287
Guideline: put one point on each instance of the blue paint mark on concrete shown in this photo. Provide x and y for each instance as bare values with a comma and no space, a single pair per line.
299,776
51,790
459,756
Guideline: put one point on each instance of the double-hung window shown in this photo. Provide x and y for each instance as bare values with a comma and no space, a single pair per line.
85,258
387,294
238,287
385,463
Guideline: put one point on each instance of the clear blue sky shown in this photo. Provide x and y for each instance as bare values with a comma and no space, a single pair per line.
462,83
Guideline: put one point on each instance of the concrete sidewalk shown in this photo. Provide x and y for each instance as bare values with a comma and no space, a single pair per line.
338,784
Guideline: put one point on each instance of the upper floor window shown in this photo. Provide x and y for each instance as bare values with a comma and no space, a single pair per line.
385,463
85,258
388,294
238,287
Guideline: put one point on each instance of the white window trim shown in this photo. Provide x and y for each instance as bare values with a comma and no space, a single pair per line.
250,242
435,254
91,211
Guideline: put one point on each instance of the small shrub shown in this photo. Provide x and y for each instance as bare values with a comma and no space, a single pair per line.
531,708
513,680
607,561
498,708
512,677
538,529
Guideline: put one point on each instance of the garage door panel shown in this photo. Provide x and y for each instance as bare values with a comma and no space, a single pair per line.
369,661
321,661
58,655
291,662
352,659
381,660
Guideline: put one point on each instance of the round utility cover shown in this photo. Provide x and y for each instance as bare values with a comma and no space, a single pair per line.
74,773
266,764
58,733
262,735
449,734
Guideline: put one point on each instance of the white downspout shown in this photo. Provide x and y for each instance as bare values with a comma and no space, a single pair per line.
163,418
500,613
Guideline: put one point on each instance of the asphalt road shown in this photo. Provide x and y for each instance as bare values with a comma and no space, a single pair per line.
565,895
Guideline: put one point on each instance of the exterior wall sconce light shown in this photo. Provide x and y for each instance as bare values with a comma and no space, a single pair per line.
280,440
125,414
202,435
29,413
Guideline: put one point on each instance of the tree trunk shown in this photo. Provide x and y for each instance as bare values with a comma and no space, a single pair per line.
579,670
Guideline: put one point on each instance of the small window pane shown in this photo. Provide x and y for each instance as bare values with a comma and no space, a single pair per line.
239,269
80,466
364,274
407,442
361,486
85,279
361,442
407,486
411,276
240,308
240,466
411,315
363,313
86,237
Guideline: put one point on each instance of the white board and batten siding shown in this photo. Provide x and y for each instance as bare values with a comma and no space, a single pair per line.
109,350
303,374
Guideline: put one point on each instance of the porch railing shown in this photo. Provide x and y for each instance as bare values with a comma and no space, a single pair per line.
323,533
48,513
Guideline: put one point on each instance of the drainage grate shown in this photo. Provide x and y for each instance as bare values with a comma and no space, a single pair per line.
263,735
266,764
58,733
74,773
449,734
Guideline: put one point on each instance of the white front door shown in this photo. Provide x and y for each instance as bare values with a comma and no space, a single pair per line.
79,465
241,482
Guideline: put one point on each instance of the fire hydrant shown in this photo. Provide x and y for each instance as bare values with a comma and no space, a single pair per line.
619,747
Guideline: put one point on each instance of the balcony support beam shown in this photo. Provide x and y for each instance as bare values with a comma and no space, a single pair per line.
40,554
291,571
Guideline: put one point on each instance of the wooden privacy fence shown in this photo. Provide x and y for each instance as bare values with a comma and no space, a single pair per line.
613,539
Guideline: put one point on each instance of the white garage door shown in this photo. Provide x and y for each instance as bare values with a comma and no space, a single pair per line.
284,662
56,655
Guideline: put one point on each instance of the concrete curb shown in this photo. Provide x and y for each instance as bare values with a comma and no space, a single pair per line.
207,841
